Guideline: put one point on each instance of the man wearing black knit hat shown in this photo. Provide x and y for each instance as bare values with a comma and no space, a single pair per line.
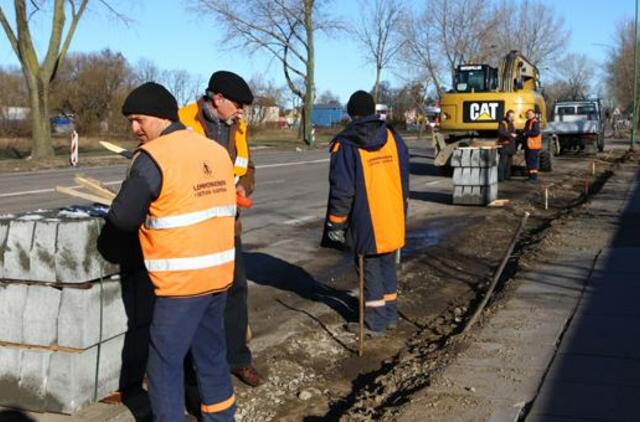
186,233
218,115
369,187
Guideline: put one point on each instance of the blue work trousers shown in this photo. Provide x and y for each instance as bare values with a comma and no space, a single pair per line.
180,324
532,157
380,291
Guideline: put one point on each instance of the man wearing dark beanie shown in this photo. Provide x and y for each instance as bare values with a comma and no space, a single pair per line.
218,115
369,188
186,233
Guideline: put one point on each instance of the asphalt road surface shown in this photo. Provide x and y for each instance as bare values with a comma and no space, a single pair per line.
291,186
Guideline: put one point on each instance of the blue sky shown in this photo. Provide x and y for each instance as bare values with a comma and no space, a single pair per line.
172,37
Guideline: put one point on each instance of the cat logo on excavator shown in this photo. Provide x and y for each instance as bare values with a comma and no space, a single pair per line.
483,111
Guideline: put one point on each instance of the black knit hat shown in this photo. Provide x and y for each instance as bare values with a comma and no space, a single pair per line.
151,99
231,86
361,104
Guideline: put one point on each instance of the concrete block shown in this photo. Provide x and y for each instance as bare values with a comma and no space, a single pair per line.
10,375
13,299
475,195
34,367
77,258
4,231
484,157
64,382
43,252
475,176
40,314
16,255
474,157
78,324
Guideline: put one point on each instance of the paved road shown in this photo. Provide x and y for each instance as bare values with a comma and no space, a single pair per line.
291,186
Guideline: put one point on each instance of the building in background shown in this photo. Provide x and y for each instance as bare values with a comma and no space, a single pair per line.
327,115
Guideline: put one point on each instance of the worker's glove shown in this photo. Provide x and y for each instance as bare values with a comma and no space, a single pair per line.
336,232
334,236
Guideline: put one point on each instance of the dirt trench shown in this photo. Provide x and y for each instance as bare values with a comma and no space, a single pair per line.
315,374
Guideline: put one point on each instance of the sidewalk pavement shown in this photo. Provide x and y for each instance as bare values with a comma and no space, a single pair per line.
566,345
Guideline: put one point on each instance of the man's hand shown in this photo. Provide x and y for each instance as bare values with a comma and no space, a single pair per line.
240,190
336,232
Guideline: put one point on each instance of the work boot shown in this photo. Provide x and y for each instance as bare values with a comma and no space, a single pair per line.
354,327
249,376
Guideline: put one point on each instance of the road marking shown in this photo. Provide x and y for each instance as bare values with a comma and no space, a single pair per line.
38,191
433,182
294,163
301,220
264,166
271,182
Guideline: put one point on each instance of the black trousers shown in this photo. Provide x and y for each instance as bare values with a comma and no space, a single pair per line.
236,315
504,165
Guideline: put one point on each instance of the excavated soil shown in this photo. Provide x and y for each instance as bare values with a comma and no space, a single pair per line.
315,373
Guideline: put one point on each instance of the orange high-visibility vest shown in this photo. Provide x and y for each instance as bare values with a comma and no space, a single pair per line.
383,184
501,140
191,116
188,237
533,142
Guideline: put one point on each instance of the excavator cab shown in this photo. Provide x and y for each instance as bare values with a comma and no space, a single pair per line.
475,78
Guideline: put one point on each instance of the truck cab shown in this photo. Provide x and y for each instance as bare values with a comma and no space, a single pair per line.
577,126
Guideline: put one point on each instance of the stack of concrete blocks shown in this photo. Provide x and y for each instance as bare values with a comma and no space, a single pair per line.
70,323
475,175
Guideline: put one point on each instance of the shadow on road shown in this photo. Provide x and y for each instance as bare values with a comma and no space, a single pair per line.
436,197
267,270
424,169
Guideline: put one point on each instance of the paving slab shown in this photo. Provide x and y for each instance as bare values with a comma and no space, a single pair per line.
480,354
607,336
513,385
439,407
601,402
595,369
620,260
16,255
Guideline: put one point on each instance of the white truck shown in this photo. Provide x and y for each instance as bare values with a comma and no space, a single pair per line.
577,126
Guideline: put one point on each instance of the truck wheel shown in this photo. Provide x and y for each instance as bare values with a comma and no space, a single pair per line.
545,161
601,145
591,148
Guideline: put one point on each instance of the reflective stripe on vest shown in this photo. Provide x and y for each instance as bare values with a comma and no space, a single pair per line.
188,238
189,264
533,142
183,220
239,138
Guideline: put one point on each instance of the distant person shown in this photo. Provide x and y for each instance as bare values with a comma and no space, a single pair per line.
507,140
218,115
180,198
369,188
533,144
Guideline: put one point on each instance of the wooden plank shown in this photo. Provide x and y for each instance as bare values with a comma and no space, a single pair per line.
84,195
94,186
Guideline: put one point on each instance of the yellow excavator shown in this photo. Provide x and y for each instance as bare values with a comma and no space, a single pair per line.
481,95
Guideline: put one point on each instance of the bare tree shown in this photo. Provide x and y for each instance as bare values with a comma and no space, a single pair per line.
447,33
533,28
419,51
576,76
379,33
184,86
39,73
620,66
283,28
328,98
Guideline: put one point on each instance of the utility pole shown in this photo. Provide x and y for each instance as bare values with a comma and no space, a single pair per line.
634,135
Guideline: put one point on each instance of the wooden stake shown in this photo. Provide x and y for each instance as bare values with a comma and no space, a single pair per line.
546,198
361,303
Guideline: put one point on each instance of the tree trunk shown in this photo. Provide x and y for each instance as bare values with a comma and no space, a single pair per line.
376,87
309,94
41,127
